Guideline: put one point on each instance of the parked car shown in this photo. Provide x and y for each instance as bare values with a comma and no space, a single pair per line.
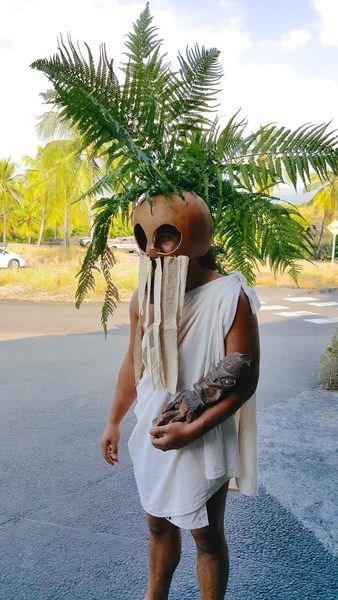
10,260
53,242
85,241
127,244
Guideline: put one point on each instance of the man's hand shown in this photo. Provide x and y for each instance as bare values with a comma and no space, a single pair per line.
218,383
110,443
171,437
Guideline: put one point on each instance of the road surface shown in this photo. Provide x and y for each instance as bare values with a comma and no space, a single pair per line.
72,527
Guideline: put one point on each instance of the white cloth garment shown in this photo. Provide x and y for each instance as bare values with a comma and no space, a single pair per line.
177,484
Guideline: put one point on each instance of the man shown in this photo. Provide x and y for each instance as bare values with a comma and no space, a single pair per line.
190,317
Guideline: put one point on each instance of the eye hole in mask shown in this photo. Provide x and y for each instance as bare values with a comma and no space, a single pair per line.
140,237
166,239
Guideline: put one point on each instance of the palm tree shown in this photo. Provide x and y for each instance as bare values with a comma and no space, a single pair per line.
156,128
26,213
9,192
56,178
51,127
36,187
325,201
62,158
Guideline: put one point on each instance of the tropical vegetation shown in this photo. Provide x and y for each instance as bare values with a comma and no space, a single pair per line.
9,192
46,203
50,275
325,204
158,131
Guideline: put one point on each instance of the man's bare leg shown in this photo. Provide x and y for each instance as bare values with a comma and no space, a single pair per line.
212,550
164,556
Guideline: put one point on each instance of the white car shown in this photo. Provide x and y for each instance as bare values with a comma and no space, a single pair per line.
10,260
127,244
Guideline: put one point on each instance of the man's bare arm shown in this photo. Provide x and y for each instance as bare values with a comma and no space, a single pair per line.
242,337
125,393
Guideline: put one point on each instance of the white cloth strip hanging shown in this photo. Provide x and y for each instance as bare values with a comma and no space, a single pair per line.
172,298
166,283
142,282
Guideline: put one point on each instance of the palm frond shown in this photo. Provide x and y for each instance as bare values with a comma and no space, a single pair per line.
50,126
105,183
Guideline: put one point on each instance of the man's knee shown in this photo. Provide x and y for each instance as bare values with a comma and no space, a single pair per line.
209,540
165,544
158,526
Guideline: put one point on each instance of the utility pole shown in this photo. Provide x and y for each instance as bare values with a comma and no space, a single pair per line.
333,228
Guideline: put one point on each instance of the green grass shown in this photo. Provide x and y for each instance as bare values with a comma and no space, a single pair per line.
314,275
50,275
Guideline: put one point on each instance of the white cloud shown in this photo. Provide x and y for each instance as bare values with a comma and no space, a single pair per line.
328,11
229,4
273,92
295,39
30,29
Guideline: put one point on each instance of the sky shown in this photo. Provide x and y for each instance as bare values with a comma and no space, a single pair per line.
279,57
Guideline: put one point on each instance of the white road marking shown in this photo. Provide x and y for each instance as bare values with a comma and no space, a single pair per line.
273,307
323,303
320,321
296,313
300,299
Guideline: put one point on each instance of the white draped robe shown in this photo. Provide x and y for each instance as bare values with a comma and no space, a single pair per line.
177,484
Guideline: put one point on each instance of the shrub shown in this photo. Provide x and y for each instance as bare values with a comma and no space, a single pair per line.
329,365
326,252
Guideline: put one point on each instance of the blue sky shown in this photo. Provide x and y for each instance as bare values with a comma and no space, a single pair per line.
280,57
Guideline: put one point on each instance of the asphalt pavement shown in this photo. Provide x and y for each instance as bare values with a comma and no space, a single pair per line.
71,527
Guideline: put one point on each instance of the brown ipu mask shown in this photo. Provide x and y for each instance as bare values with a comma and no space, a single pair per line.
189,218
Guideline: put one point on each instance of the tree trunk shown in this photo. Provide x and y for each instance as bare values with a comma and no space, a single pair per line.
42,226
66,227
4,232
318,249
92,215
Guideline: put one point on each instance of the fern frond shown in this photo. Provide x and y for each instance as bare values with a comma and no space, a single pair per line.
254,229
200,74
111,295
290,153
143,40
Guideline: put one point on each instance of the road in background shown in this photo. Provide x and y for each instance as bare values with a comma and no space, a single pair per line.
291,345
